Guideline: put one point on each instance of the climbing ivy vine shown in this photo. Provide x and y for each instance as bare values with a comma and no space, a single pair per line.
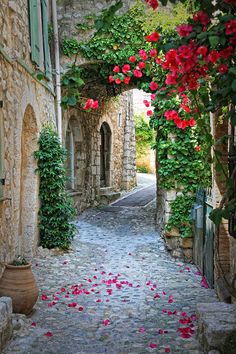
56,211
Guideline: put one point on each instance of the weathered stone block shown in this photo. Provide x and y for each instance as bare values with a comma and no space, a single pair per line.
6,327
217,327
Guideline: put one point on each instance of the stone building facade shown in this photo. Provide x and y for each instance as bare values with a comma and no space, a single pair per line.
25,104
101,146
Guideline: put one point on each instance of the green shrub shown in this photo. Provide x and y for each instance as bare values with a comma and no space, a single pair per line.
56,211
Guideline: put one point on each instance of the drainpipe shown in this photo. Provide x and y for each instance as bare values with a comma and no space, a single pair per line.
57,68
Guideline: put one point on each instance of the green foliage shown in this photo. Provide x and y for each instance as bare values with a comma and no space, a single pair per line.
70,46
142,169
180,214
144,136
56,211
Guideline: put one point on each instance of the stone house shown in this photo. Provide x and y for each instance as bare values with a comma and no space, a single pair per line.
101,159
25,104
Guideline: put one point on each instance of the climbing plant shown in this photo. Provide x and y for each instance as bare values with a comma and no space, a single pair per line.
144,135
56,211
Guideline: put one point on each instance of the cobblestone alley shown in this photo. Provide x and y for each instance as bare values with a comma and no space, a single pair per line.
117,291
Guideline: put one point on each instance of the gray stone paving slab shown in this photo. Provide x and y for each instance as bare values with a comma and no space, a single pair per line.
117,291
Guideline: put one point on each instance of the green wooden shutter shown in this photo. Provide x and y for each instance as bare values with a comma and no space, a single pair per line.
45,37
1,154
34,31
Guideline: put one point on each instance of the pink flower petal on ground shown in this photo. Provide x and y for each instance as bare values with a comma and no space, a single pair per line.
153,345
163,292
160,331
33,324
184,314
72,304
98,300
48,334
44,297
141,329
81,308
167,350
106,322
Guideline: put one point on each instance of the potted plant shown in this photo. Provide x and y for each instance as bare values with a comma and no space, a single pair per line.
18,282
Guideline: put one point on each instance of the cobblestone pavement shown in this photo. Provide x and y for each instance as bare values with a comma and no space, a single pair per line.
118,291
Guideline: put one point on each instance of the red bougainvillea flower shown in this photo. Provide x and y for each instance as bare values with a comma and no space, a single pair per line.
137,73
198,148
149,113
146,103
153,345
125,68
153,86
226,52
48,334
230,27
153,96
127,80
117,80
213,56
152,3
223,69
153,37
192,122
170,79
116,69
232,2
141,65
202,50
106,322
132,59
201,17
153,53
171,115
184,30
143,54
90,104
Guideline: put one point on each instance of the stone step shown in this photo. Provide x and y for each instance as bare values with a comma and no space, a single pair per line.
6,327
109,197
217,327
106,190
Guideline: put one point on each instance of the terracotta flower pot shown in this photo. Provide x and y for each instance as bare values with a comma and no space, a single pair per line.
18,282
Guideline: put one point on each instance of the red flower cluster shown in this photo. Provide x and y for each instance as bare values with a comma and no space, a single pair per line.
152,3
184,30
153,37
90,104
179,122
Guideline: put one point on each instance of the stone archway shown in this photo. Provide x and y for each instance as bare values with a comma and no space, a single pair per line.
105,155
29,184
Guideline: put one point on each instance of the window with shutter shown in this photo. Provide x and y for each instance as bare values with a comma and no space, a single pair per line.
1,153
34,31
45,38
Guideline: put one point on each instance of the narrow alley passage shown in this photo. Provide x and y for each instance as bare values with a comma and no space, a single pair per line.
118,291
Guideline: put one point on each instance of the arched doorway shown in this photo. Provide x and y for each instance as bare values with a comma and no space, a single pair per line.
105,155
28,228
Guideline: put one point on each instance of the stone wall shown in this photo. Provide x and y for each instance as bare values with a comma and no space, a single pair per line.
6,327
117,114
73,11
27,103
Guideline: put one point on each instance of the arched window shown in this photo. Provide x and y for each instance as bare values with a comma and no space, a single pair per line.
70,162
105,155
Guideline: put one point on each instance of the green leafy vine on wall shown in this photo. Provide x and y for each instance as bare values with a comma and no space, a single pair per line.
56,211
